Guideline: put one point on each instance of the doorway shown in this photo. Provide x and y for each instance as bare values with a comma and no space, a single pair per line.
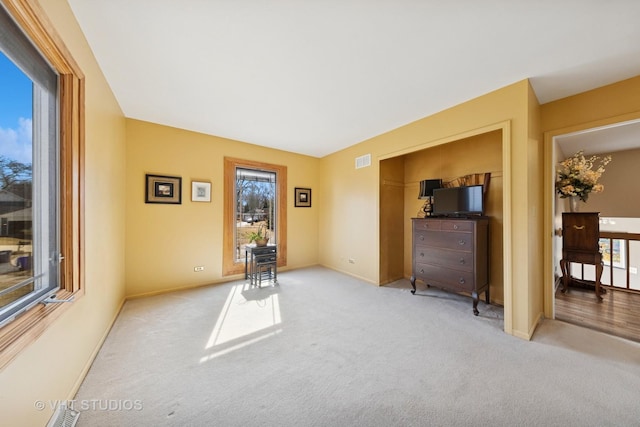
619,313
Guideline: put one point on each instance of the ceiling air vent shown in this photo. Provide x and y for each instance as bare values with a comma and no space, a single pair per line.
363,161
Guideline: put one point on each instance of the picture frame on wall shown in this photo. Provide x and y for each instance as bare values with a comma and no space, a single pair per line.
200,191
302,197
163,189
614,253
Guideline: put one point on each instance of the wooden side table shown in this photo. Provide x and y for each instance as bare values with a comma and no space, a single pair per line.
580,235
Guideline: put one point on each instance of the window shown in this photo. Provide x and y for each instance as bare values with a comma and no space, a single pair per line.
41,218
29,250
255,198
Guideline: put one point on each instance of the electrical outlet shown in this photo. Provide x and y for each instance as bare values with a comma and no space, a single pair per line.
198,268
352,261
633,270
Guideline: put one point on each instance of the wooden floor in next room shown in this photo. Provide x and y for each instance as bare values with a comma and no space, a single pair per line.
618,314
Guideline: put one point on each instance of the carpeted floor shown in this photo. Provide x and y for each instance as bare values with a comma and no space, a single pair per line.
325,349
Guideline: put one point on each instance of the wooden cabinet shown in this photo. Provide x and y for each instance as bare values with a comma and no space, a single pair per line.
580,236
452,254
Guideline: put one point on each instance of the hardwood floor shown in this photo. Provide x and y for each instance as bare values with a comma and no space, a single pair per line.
618,314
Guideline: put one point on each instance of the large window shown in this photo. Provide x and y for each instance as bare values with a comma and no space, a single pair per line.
255,200
29,165
41,175
256,195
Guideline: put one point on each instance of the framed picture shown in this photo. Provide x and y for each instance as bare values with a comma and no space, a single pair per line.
163,189
303,197
200,191
613,254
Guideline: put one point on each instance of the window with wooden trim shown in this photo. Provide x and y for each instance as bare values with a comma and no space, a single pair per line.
255,198
41,206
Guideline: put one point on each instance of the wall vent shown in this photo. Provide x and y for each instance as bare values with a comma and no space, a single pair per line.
363,161
64,417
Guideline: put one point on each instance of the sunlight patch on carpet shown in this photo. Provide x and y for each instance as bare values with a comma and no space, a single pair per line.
249,315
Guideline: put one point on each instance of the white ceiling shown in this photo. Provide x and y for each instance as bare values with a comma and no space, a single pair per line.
604,140
314,77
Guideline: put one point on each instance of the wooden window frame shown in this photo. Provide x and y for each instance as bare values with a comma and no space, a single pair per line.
229,264
26,328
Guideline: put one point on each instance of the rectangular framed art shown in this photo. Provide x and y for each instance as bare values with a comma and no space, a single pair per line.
302,197
200,191
163,189
614,253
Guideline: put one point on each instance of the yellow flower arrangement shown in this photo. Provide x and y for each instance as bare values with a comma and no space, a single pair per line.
576,175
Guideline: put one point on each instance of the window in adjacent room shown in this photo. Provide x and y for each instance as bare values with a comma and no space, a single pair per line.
255,198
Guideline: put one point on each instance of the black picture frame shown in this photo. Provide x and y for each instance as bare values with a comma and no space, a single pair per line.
302,197
163,189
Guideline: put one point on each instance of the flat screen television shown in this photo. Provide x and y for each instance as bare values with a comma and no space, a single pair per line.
458,201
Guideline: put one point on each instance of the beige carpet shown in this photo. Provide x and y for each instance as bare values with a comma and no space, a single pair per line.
325,349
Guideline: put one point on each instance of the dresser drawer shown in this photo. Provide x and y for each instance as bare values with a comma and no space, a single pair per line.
446,258
445,277
457,226
427,225
449,240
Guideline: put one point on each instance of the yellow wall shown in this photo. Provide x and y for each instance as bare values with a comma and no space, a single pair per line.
165,242
51,367
535,191
606,105
392,226
349,210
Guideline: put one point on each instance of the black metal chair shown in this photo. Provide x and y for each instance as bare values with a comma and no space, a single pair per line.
264,266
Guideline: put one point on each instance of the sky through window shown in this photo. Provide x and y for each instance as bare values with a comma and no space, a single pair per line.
15,112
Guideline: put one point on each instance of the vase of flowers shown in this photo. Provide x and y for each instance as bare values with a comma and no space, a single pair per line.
577,177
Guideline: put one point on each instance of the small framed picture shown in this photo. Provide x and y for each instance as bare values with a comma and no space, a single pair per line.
200,191
163,189
303,197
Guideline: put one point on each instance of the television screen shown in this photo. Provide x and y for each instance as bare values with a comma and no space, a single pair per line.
458,201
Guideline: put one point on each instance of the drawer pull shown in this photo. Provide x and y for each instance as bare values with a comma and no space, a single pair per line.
421,254
462,261
422,271
578,227
455,226
461,281
421,237
461,242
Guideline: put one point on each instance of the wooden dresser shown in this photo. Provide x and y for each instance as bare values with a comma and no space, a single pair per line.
580,236
452,254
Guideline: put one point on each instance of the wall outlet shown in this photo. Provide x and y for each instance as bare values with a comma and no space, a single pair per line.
198,268
633,270
352,261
